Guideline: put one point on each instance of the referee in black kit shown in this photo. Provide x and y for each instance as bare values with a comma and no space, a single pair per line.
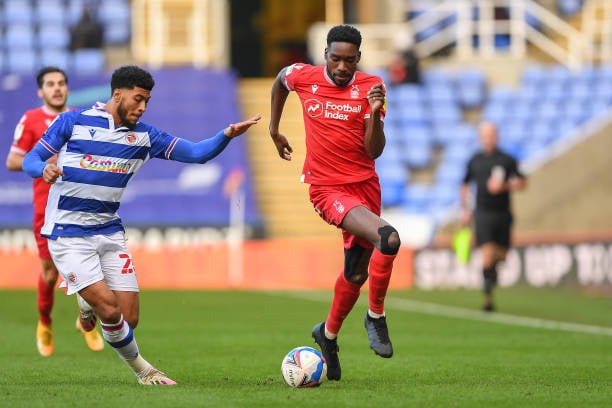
496,175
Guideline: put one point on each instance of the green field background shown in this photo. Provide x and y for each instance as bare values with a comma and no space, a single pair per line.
224,349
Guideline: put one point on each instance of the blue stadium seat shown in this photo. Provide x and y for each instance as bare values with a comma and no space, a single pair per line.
17,12
407,93
441,92
555,91
413,113
496,112
569,7
115,34
445,113
548,110
19,36
417,155
559,74
50,12
417,134
533,76
513,131
115,17
88,62
433,76
444,194
393,180
53,36
22,61
458,152
74,10
416,198
450,172
57,57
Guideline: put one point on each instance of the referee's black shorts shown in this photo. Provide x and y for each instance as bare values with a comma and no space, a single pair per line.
493,226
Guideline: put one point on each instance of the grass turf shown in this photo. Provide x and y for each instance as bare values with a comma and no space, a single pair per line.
225,349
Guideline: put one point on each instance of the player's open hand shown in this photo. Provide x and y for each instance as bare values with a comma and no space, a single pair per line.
376,97
236,129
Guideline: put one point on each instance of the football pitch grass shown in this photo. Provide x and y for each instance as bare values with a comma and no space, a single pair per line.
544,348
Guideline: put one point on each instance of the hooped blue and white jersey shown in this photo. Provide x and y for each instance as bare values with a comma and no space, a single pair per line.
98,161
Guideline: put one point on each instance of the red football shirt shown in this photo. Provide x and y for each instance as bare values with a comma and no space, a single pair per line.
334,119
28,131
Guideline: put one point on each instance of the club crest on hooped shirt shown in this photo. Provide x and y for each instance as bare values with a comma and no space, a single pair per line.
131,138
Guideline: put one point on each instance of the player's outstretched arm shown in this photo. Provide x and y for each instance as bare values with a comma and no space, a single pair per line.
189,152
236,129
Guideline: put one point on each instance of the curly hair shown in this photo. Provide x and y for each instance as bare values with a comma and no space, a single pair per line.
344,33
130,76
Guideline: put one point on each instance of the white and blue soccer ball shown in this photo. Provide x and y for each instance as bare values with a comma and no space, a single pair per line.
304,367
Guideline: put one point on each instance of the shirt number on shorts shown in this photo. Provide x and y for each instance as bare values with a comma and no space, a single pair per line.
127,266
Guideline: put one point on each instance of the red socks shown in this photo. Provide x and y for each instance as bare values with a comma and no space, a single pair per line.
45,301
345,295
380,273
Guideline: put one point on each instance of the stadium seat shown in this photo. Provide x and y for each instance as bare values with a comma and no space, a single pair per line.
57,57
445,113
393,180
533,76
115,17
88,62
17,12
496,111
412,113
441,92
19,36
117,34
74,9
50,12
450,172
417,155
22,61
407,93
415,198
569,7
53,36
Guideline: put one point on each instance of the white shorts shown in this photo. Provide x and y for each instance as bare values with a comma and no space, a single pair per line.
83,261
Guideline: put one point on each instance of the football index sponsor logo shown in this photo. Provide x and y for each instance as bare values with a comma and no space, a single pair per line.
314,108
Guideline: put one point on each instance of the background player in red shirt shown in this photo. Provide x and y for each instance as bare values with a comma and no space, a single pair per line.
53,90
343,113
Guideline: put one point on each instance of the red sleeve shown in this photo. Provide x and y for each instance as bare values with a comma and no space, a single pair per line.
24,137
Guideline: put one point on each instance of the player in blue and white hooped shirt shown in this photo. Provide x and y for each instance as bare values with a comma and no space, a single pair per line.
99,150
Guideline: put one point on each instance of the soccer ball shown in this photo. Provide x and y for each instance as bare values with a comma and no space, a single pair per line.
304,367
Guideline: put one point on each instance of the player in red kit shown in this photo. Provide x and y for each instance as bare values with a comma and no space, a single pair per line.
53,90
343,113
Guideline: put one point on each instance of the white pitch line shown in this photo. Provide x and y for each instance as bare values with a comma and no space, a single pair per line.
462,313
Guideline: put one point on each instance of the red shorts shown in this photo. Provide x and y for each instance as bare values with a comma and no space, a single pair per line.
333,202
41,242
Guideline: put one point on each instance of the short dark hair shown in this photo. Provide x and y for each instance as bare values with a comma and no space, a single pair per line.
130,76
344,33
40,77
